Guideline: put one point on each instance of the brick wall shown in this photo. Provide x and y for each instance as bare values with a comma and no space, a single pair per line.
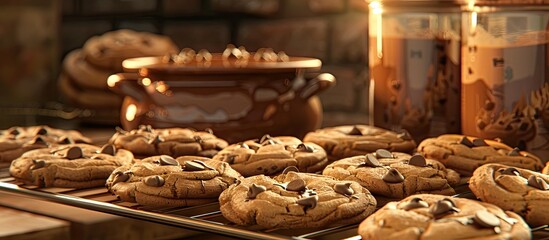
333,30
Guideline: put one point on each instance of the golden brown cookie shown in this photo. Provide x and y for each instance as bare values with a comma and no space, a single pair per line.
465,154
347,141
514,189
70,166
395,175
168,182
15,141
295,200
270,155
175,142
84,74
428,216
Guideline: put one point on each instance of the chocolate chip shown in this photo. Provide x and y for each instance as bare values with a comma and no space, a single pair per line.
418,160
489,105
255,190
38,164
156,140
209,130
296,185
42,131
305,148
108,149
269,142
290,169
370,161
243,145
198,139
14,132
393,176
404,135
265,138
344,188
382,153
38,140
154,181
166,160
465,141
355,131
486,219
443,207
65,140
230,159
415,203
538,182
308,202
479,142
515,152
510,171
203,164
193,166
74,153
120,177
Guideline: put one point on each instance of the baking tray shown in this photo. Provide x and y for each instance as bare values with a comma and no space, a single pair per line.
205,218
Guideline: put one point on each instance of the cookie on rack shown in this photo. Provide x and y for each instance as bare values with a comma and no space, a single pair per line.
296,200
514,189
69,166
270,155
348,141
147,141
465,154
429,216
395,175
15,141
163,181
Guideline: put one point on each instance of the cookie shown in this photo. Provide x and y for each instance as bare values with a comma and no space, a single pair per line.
175,142
347,141
110,49
429,216
163,181
295,200
545,170
270,155
15,141
96,99
395,175
465,154
69,166
514,189
84,74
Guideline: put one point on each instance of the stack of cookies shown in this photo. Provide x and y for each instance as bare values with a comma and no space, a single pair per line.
83,80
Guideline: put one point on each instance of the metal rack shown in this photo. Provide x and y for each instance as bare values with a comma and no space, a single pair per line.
206,218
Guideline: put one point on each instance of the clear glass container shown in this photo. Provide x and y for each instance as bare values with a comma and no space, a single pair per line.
505,69
414,61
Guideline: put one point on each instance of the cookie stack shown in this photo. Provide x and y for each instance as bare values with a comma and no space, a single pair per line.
83,80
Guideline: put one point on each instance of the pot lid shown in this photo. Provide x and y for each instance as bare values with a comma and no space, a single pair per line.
232,60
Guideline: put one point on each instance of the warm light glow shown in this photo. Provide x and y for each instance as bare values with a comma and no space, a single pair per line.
376,7
112,80
131,112
471,4
473,22
161,87
146,82
376,10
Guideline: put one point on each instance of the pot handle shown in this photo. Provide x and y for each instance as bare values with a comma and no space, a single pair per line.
317,85
126,84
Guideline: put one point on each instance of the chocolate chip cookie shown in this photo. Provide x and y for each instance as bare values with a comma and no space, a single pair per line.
347,141
514,189
15,141
147,141
296,200
270,155
167,182
394,174
70,166
465,154
428,216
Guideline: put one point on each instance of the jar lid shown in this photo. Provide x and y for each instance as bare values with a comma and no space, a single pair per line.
232,60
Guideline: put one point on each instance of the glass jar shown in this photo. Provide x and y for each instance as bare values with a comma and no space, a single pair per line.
505,71
414,61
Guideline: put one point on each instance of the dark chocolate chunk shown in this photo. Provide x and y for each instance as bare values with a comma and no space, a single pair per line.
269,142
479,142
370,161
344,188
74,153
538,182
38,140
305,148
108,149
166,160
192,166
443,207
156,140
465,141
154,181
290,169
382,153
415,203
120,177
38,164
308,202
418,160
255,190
489,105
198,139
393,176
296,185
265,138
514,152
486,219
355,131
42,131
404,135
14,132
203,164
510,171
65,140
